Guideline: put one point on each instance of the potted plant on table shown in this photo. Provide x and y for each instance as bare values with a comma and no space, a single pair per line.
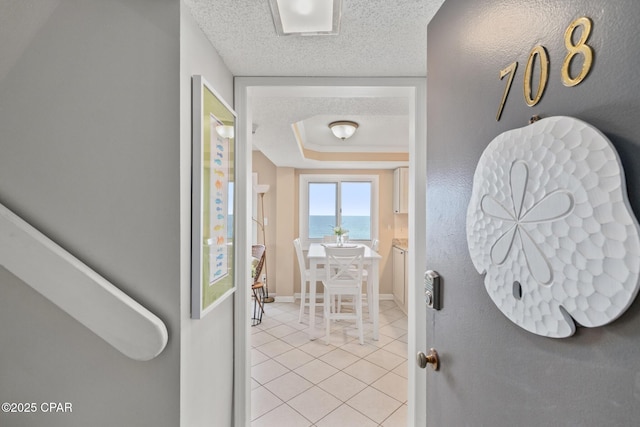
340,234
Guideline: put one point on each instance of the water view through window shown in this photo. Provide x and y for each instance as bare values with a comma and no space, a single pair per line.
347,204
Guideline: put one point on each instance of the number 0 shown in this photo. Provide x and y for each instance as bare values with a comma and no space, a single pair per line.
544,75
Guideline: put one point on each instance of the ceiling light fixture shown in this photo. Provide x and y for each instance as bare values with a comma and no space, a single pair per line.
343,129
306,17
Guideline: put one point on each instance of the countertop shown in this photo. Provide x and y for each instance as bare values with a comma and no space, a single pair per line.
401,243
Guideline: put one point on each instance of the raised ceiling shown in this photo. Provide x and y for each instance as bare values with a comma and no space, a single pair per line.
378,38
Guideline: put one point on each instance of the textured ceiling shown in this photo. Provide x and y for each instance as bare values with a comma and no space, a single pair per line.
376,116
378,38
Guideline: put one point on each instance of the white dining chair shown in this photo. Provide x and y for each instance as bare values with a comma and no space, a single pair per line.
305,276
343,277
375,243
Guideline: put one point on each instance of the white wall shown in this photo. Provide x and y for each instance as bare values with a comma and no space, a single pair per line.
207,344
89,154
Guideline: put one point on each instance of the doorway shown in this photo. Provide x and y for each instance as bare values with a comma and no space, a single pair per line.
247,90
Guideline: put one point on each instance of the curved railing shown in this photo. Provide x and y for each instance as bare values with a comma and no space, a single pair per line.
78,290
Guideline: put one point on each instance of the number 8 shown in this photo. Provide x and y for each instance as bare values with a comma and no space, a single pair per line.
580,48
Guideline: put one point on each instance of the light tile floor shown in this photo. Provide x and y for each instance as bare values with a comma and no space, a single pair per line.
301,383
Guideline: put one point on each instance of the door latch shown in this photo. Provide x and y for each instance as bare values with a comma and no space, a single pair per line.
430,358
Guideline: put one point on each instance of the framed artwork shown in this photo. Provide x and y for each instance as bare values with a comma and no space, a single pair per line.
212,185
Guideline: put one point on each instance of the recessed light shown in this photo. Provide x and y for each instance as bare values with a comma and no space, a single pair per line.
306,17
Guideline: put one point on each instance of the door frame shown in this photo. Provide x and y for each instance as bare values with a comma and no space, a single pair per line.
246,88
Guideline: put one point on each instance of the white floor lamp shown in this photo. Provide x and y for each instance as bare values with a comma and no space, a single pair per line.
261,190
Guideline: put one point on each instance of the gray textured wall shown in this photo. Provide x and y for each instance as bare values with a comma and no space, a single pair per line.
493,372
89,131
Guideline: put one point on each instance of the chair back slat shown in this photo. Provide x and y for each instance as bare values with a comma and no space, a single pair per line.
343,268
344,265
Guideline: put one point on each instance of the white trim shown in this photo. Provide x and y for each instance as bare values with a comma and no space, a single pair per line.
417,311
303,200
296,296
283,299
415,88
243,223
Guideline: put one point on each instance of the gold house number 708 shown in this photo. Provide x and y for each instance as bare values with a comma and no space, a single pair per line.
573,49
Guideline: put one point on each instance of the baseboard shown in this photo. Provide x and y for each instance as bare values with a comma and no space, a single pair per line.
282,298
296,297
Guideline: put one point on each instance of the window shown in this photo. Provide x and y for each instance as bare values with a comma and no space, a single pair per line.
349,201
323,209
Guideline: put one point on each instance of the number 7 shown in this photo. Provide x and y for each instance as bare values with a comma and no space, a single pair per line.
511,70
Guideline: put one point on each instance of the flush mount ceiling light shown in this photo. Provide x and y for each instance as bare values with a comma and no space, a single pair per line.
306,17
343,129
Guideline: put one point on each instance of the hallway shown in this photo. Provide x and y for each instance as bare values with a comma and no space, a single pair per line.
297,382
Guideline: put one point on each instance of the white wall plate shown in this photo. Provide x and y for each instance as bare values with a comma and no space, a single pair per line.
550,224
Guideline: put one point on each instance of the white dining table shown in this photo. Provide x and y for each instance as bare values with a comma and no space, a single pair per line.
317,256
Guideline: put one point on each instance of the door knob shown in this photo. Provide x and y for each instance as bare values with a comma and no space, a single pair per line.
430,358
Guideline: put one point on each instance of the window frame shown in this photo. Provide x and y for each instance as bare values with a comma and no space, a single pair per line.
306,179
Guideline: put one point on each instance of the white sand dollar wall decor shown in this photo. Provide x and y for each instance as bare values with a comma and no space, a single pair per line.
550,224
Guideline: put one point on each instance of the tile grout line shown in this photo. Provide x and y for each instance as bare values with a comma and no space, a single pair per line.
358,358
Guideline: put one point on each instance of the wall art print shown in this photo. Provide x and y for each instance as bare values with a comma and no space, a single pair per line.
212,274
549,223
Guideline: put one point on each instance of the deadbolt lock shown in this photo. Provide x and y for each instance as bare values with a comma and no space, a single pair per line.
432,290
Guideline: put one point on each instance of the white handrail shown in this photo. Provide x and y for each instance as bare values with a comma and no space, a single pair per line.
78,290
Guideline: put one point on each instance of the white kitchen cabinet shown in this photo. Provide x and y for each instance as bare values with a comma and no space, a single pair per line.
400,282
401,190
